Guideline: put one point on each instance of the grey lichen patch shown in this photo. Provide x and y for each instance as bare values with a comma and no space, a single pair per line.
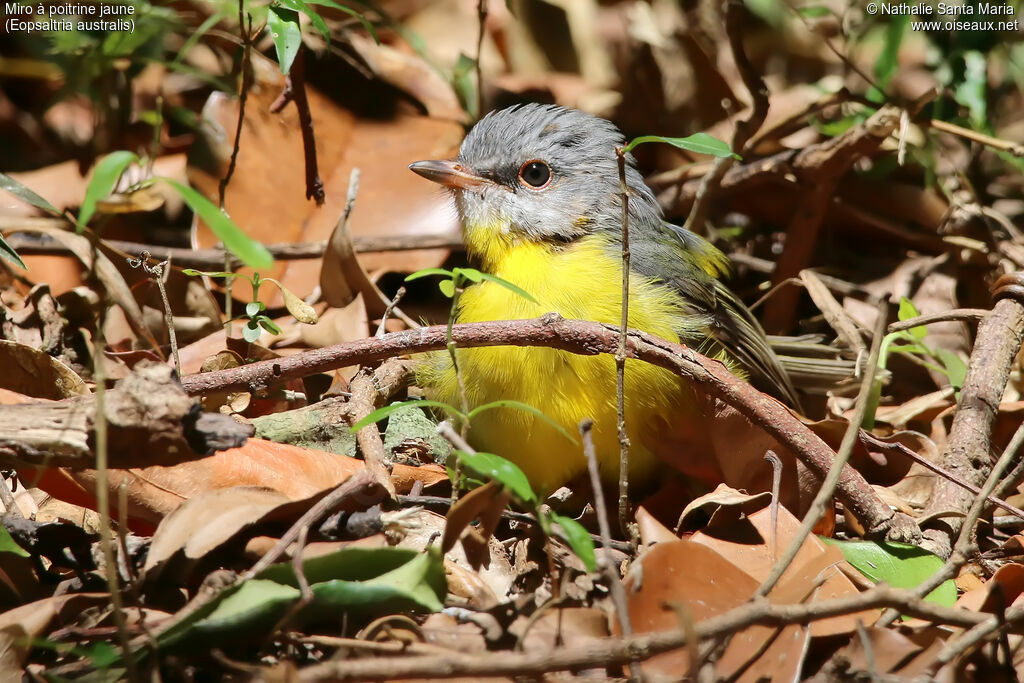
308,430
410,428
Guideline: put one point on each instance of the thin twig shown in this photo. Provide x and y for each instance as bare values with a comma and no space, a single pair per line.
620,354
956,315
159,274
481,16
297,77
618,592
776,464
382,328
7,498
101,446
828,486
1014,148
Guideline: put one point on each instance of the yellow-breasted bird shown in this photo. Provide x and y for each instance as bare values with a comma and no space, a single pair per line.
537,190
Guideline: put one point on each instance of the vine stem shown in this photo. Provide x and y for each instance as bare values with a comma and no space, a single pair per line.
620,354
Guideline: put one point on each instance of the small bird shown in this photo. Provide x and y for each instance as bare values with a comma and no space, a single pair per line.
537,190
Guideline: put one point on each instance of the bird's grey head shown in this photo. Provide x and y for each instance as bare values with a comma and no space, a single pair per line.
540,173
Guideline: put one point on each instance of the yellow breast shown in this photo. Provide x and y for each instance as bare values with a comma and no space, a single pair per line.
581,280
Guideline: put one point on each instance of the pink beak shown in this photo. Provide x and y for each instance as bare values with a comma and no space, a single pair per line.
448,173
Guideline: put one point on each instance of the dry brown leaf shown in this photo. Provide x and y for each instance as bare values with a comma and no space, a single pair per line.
651,530
408,72
266,196
34,373
725,505
298,473
756,558
207,521
683,573
563,627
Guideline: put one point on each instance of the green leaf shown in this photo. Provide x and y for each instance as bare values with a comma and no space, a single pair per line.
954,366
209,273
447,288
381,413
578,539
519,405
283,24
908,311
318,22
253,308
814,12
898,564
471,274
465,84
21,192
251,332
972,91
428,271
268,324
700,143
352,13
8,252
888,61
9,545
104,178
357,582
249,251
509,286
502,471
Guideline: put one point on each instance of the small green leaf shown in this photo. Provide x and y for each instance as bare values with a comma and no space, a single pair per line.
814,12
888,61
699,143
104,178
447,288
352,13
509,286
283,24
471,274
908,311
249,251
972,91
954,366
268,324
519,405
898,564
21,192
253,308
465,84
500,470
8,252
428,271
318,22
381,413
9,545
251,332
209,273
578,539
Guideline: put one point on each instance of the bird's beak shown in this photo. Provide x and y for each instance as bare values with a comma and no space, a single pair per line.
449,173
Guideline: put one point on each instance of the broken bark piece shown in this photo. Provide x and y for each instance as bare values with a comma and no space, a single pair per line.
152,421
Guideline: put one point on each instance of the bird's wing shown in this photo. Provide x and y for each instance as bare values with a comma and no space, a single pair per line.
696,275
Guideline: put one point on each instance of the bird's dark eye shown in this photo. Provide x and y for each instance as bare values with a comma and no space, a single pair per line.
536,174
